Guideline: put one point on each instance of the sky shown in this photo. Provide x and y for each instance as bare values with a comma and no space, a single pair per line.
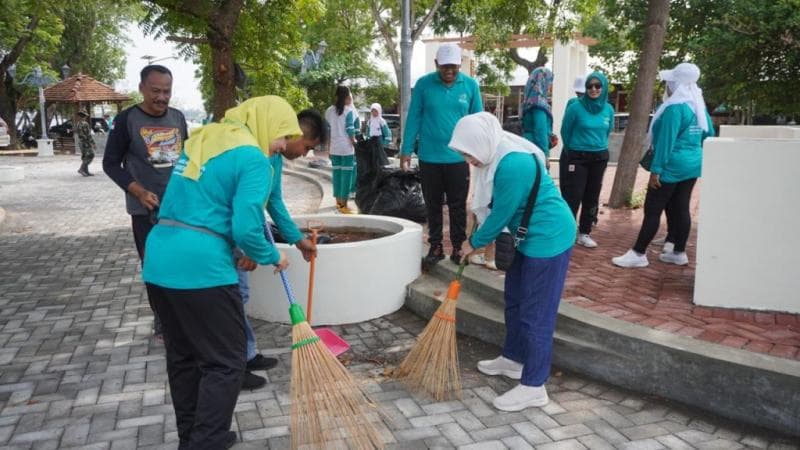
185,87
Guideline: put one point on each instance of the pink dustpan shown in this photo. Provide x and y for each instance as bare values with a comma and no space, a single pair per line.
335,344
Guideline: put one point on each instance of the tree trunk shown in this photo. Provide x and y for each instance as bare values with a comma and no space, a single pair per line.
222,74
641,103
8,109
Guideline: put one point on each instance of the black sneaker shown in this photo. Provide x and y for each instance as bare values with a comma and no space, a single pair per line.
252,381
230,439
260,362
456,256
435,254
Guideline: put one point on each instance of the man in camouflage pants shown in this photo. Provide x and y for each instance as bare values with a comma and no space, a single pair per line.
86,143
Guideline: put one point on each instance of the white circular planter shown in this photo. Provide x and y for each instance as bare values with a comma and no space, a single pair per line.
354,281
11,173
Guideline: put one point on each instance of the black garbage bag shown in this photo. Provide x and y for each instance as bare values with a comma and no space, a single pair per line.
369,167
399,195
386,191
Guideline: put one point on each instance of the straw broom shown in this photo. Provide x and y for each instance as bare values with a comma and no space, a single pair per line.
329,410
432,364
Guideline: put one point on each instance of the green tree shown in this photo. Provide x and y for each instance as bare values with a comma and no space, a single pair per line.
30,33
94,39
259,36
493,24
749,54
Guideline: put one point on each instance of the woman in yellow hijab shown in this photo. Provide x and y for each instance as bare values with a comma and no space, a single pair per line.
259,121
214,202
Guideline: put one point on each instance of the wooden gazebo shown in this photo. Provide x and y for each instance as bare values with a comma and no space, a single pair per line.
81,92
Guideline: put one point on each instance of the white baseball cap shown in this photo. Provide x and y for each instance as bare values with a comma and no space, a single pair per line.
579,85
448,54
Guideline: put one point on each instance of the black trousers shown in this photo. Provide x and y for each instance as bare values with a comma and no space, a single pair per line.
581,179
141,226
674,199
450,181
205,339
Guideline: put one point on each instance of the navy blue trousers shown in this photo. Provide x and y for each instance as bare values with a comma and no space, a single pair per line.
532,294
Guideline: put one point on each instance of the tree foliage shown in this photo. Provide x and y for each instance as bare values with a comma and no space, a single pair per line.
493,24
48,33
748,52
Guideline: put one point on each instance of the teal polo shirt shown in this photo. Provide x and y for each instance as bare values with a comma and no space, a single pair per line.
432,115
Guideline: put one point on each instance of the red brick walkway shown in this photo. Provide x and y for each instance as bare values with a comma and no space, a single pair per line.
660,296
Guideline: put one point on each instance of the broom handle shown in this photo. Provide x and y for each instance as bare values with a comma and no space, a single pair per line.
285,280
311,276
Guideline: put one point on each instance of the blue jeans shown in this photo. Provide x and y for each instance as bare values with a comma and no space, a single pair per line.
244,289
533,290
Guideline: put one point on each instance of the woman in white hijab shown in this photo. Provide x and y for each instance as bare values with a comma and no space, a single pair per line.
505,167
679,127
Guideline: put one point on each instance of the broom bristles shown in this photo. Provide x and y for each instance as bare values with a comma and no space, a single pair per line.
328,407
432,364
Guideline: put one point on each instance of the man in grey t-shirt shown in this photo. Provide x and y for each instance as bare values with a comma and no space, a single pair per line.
141,150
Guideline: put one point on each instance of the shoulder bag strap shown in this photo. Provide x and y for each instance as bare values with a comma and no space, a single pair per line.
522,230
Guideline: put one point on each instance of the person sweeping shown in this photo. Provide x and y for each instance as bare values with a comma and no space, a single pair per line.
505,170
328,406
214,202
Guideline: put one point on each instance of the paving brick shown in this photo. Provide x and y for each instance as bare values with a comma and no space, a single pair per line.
569,444
516,443
569,431
493,433
468,420
455,434
140,421
530,433
644,444
488,445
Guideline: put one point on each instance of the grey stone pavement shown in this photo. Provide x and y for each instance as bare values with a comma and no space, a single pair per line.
78,367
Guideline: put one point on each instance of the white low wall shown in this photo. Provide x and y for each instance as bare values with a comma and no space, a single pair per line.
354,281
748,244
760,131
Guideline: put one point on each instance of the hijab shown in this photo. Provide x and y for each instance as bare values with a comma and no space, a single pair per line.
537,88
682,82
375,124
481,136
595,105
258,122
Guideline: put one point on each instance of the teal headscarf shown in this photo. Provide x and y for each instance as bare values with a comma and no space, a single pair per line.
595,105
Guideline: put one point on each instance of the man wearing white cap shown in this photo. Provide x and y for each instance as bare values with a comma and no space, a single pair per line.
579,86
438,101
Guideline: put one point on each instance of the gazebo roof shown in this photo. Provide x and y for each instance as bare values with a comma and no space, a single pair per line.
82,88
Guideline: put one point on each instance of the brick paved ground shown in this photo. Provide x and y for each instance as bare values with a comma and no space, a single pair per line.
78,367
660,296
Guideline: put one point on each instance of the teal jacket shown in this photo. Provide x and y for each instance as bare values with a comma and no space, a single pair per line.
276,206
678,144
432,115
584,131
551,229
228,199
537,126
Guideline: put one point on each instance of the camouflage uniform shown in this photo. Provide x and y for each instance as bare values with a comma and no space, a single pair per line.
87,146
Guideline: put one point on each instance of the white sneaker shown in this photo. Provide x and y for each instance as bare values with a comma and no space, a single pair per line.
477,259
677,258
522,397
631,259
668,247
586,241
501,366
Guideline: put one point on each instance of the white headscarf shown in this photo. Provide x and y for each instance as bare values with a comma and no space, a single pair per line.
682,82
375,124
481,136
